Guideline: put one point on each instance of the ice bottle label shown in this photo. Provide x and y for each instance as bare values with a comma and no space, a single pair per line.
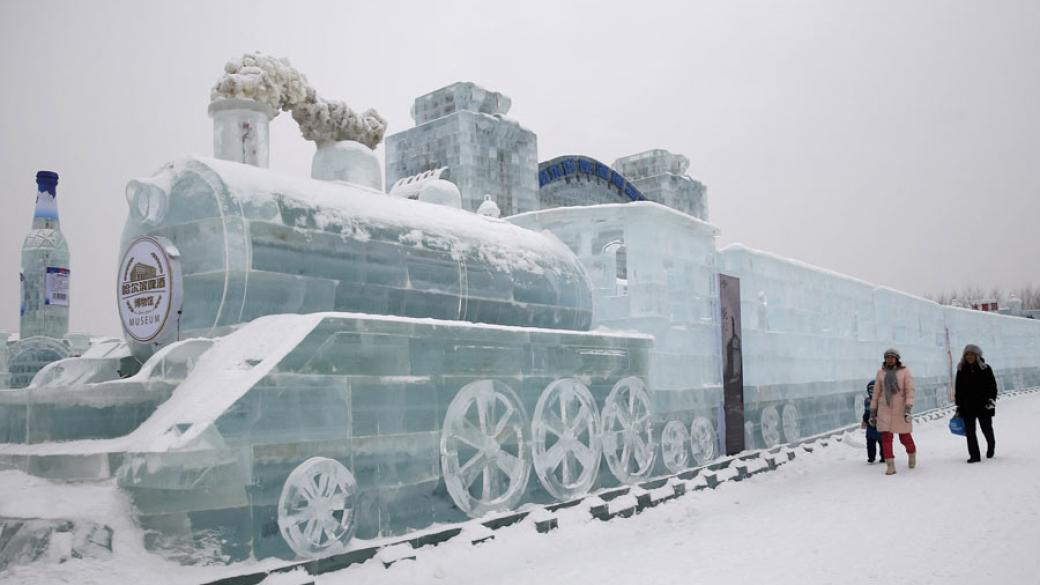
57,286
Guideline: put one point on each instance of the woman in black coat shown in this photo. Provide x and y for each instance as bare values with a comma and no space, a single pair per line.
976,398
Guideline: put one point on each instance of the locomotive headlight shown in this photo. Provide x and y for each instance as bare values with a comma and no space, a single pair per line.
147,201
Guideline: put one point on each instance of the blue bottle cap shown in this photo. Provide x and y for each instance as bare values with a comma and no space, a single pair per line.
47,181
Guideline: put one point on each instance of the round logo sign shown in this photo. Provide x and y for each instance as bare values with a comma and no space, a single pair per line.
149,288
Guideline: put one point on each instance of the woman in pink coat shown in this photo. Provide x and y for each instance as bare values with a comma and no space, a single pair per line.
890,408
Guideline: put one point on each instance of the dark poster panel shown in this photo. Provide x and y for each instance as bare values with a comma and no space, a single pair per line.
732,363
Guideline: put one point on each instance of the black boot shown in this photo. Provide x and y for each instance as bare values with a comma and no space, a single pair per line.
989,452
974,460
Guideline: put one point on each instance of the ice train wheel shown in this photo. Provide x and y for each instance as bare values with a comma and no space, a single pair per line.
704,442
628,443
789,420
770,426
673,446
565,439
317,507
749,435
483,455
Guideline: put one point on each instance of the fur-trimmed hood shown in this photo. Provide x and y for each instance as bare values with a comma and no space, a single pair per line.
972,348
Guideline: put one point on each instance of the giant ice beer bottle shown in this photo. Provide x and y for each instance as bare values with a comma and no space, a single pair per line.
45,267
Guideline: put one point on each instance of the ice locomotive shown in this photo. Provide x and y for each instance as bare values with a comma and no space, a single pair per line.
457,360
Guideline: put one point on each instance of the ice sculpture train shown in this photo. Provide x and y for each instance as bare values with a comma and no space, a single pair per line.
459,359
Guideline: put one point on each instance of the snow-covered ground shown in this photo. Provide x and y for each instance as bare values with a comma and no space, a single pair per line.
827,517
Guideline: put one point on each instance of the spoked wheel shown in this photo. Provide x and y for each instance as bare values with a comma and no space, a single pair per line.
770,425
673,446
628,443
565,439
317,506
749,436
789,419
704,442
483,455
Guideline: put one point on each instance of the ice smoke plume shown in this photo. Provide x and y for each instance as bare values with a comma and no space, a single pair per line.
332,120
276,83
264,79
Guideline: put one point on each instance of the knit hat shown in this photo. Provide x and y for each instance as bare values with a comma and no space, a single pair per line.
893,352
870,387
972,348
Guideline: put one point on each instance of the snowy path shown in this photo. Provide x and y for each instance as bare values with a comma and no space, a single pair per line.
825,518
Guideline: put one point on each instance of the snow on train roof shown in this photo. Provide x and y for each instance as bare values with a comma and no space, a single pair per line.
501,244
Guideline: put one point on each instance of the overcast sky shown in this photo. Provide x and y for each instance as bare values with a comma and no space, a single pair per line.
897,142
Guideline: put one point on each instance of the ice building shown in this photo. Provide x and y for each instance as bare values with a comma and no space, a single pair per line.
463,127
661,177
309,360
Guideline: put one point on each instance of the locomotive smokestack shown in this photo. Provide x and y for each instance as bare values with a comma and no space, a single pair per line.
345,141
252,91
240,131
256,87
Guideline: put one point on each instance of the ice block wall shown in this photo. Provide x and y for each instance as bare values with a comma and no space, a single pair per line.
814,338
1011,344
654,271
255,243
811,338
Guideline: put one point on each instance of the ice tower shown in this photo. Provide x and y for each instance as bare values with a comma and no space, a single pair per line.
661,177
241,130
462,127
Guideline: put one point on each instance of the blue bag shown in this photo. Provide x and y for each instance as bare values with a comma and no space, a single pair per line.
957,425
